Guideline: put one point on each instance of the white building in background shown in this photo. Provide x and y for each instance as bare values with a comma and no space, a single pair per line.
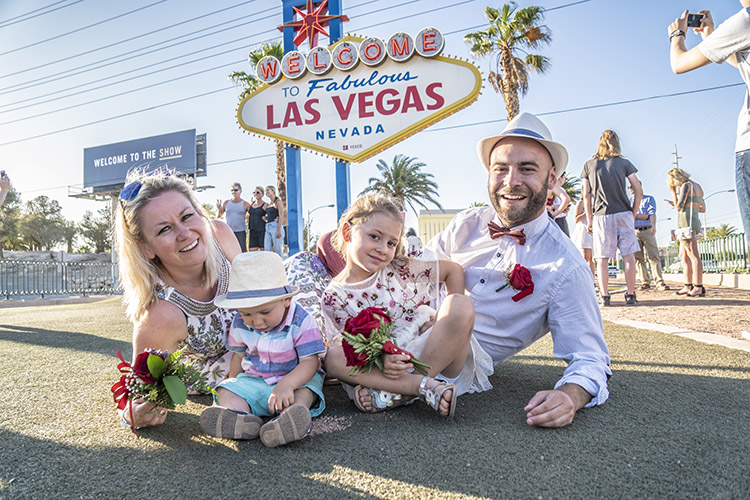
433,222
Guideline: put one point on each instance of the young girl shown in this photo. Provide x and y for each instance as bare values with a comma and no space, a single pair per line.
378,275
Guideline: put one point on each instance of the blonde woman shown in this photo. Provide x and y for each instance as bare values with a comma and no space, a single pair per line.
275,220
173,262
687,198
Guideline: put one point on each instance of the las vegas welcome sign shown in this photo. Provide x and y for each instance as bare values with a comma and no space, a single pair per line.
359,96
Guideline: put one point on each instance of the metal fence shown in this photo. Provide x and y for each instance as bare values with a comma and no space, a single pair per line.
26,277
728,253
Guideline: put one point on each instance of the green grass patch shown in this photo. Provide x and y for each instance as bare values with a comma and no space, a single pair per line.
676,425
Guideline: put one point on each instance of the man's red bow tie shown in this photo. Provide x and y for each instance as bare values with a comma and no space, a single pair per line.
497,231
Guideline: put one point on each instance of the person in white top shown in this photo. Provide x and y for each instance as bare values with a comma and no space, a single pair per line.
530,279
729,42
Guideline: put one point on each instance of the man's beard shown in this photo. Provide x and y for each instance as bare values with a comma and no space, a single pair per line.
535,203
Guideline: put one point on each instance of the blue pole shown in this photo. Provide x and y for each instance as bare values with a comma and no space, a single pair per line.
293,160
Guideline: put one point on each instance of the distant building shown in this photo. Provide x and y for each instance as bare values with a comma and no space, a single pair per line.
433,222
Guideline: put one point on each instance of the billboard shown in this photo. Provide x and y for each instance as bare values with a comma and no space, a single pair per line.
360,96
106,166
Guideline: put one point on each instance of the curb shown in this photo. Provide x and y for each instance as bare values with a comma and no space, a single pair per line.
708,338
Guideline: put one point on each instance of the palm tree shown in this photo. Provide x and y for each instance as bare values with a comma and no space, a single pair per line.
573,187
249,83
511,31
721,231
404,181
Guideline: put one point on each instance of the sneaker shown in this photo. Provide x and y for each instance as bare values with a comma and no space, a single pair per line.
645,286
604,300
662,287
630,299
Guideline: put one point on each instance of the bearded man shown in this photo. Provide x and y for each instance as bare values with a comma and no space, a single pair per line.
524,276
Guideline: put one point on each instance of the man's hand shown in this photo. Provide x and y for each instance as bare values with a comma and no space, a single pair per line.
395,365
556,408
707,24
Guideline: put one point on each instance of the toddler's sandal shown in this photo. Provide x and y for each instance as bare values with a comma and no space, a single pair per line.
231,424
432,396
293,424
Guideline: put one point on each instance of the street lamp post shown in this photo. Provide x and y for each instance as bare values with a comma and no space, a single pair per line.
309,220
705,217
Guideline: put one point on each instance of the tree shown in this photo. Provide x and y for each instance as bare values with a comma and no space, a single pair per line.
249,83
69,233
97,230
42,225
572,186
511,31
10,213
720,232
404,181
477,204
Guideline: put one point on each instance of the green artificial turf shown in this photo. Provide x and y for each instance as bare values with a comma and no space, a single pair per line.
677,425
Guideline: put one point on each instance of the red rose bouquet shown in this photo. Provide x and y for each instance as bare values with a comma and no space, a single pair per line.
159,378
519,279
368,335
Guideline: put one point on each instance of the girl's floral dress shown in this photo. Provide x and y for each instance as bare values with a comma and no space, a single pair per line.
404,292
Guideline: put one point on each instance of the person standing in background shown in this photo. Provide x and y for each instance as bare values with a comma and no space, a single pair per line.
275,217
235,209
255,222
645,231
4,186
729,42
610,212
413,244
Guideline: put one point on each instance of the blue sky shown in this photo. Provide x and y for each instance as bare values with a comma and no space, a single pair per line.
602,52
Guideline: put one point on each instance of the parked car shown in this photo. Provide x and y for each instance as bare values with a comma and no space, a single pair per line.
612,271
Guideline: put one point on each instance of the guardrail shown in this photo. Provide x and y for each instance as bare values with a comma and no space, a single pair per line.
728,253
26,277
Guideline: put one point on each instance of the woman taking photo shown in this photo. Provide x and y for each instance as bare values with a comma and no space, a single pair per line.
173,262
274,222
687,198
255,222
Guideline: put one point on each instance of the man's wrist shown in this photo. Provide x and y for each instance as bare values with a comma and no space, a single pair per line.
676,33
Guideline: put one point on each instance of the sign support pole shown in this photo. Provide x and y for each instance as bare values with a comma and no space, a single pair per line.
293,161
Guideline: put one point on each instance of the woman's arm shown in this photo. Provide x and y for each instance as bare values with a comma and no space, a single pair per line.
580,213
163,327
680,202
564,201
226,239
452,275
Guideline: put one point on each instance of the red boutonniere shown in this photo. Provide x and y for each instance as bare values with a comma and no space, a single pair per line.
519,279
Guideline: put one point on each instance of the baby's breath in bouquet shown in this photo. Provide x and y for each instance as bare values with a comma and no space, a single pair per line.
368,335
159,378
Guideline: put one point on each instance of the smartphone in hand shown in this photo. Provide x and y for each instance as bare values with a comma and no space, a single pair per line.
694,20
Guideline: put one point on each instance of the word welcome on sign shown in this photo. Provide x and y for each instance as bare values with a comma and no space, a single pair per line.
362,109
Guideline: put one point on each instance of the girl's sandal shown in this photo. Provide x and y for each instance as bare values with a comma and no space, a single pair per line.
381,400
432,396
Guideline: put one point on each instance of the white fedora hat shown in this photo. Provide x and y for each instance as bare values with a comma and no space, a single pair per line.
530,127
256,279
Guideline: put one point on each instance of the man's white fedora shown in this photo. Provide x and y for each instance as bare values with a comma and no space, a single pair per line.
530,127
256,279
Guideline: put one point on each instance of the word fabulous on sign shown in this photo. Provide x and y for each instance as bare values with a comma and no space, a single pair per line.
358,110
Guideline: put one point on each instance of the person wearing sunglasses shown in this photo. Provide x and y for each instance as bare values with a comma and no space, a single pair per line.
235,209
256,222
173,262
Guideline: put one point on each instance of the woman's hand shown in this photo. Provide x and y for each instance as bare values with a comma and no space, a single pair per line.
395,365
278,232
707,24
145,414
